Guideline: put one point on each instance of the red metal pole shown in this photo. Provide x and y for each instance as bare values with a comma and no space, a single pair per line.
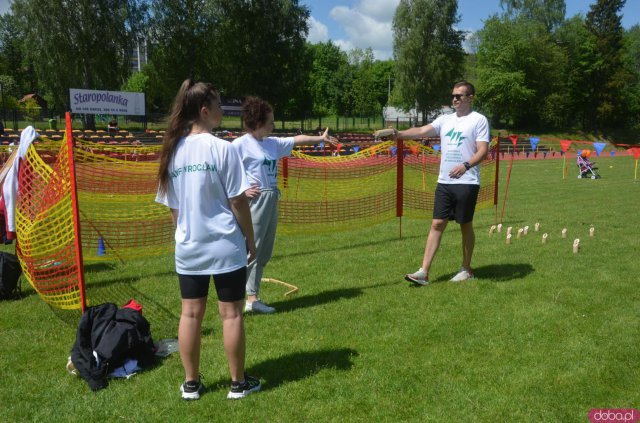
285,171
496,184
399,181
506,189
76,212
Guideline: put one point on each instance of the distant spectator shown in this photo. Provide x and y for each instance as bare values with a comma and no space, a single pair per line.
1,128
113,127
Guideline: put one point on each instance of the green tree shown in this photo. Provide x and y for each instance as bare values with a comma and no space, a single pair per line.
610,77
78,43
428,52
523,66
243,47
632,45
632,57
370,87
12,58
138,82
181,46
580,51
259,49
363,87
10,87
329,78
10,94
30,109
548,12
383,74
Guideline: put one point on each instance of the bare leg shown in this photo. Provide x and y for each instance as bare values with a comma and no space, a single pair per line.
189,335
233,335
433,242
468,243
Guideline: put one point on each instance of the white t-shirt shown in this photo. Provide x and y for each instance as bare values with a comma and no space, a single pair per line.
204,173
260,158
458,136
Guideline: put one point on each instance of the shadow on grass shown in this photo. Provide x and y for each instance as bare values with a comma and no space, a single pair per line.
99,267
92,284
120,292
503,272
296,366
371,242
306,301
27,290
497,272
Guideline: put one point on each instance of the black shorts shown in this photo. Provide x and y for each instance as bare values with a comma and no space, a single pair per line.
455,201
230,287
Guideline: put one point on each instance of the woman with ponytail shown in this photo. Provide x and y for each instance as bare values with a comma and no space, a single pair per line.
202,181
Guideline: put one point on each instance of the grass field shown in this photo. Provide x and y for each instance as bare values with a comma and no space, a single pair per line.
541,334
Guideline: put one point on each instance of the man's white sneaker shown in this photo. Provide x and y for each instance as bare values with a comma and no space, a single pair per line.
462,275
258,307
420,277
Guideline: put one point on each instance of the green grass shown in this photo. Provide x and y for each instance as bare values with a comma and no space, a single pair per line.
541,334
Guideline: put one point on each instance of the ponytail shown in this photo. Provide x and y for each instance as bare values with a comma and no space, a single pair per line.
185,111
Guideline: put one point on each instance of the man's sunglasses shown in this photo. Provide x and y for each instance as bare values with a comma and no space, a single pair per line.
458,96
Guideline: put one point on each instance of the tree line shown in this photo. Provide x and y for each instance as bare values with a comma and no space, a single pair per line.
532,66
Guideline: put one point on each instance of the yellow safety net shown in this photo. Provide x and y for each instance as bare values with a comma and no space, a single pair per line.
119,219
333,193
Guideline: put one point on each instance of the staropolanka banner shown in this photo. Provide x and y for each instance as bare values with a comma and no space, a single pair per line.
106,102
231,106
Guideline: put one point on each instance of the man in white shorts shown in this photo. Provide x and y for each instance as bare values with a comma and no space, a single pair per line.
464,140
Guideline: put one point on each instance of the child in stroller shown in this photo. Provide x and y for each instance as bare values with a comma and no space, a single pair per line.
586,168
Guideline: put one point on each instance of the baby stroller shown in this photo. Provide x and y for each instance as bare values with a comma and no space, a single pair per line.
586,168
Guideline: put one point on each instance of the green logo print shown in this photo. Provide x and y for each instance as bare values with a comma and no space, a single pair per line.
455,137
272,165
199,167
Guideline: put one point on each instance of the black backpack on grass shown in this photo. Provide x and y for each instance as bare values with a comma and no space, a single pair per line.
10,272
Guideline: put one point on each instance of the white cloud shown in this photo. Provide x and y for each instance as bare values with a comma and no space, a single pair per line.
382,10
368,24
318,32
345,45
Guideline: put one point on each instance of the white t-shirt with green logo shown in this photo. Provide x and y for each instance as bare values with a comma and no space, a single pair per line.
458,136
260,158
204,173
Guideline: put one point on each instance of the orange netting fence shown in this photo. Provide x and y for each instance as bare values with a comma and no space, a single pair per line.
333,193
112,214
118,217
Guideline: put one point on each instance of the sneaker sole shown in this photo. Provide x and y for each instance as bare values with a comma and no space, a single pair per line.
260,312
408,278
190,396
240,395
461,280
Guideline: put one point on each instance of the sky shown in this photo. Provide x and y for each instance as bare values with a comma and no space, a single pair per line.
367,23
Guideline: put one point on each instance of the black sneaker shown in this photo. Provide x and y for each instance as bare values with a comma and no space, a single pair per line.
192,389
242,389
